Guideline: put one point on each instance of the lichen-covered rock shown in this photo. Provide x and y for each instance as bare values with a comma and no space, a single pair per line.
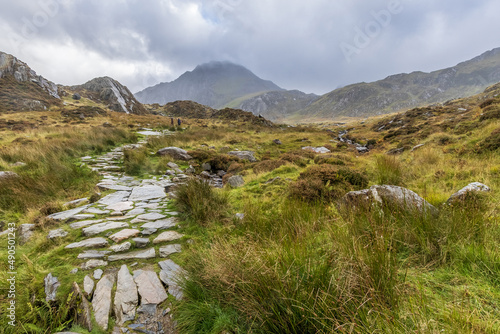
243,155
236,181
175,153
474,187
387,196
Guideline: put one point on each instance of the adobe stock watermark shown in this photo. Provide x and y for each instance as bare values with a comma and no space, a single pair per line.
31,25
10,311
365,35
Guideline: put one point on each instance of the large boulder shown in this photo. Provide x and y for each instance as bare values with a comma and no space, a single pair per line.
387,196
243,155
175,153
462,194
236,181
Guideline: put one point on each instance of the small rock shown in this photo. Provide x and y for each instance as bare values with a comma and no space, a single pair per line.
141,242
51,286
417,147
277,142
25,232
73,271
91,264
121,247
240,216
167,237
236,181
76,96
98,273
206,166
148,254
124,235
172,165
102,227
244,155
7,175
151,216
59,233
320,150
88,285
92,254
362,149
160,224
167,250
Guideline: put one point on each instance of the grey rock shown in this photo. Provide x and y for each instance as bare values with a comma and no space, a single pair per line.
101,227
126,298
59,233
96,211
147,254
121,247
88,285
93,254
244,155
81,216
167,237
73,271
417,147
89,243
474,187
94,263
85,223
121,206
141,242
320,150
236,181
277,142
101,303
391,196
98,273
160,224
25,232
148,231
117,197
151,216
7,175
362,149
51,286
172,165
135,212
167,250
170,274
145,193
240,216
124,235
68,213
206,166
175,152
150,287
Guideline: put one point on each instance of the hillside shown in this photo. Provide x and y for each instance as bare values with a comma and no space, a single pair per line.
405,91
22,89
112,94
214,84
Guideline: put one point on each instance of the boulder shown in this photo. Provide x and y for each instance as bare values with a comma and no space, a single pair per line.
76,96
175,153
126,298
244,155
236,181
51,286
387,196
141,242
461,195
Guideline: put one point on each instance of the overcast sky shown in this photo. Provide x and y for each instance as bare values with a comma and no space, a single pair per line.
315,46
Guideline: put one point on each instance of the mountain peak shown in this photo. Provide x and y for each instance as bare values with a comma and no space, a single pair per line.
214,84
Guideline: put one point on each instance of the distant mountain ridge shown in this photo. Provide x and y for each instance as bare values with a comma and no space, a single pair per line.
215,84
406,91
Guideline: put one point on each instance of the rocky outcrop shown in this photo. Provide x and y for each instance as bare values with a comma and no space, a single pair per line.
112,93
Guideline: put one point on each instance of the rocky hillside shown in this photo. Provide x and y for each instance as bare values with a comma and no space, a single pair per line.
278,105
193,110
404,91
214,84
111,93
22,89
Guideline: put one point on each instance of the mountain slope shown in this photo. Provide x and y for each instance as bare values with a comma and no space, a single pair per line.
112,93
22,89
214,84
404,91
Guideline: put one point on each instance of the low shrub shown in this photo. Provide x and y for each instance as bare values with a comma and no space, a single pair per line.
268,166
490,143
294,158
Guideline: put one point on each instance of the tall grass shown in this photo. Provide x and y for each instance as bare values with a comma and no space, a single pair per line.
388,170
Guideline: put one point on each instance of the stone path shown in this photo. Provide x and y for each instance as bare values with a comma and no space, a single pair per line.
124,243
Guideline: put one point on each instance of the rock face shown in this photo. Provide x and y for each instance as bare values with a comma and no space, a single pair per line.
29,90
113,93
51,286
175,153
101,303
126,298
474,187
243,155
392,196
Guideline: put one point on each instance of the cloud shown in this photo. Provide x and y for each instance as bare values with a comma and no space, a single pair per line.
296,44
